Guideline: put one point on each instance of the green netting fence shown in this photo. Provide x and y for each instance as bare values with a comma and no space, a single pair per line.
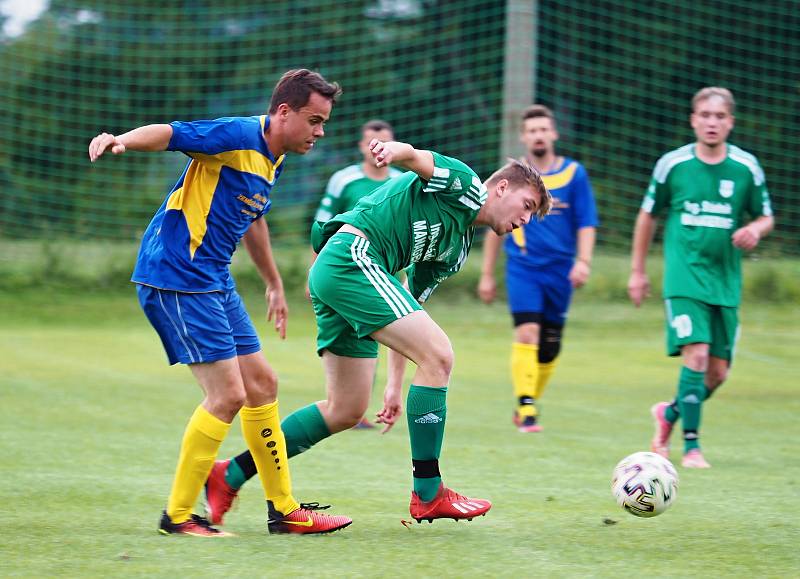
618,74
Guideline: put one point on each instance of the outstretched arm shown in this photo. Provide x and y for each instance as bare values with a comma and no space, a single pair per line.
403,154
146,138
256,241
639,283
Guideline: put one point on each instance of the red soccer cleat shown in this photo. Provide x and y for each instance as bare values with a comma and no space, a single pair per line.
219,494
306,520
660,442
196,527
447,504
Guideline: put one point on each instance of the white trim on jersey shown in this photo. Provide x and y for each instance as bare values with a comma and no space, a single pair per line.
749,161
323,215
666,163
342,179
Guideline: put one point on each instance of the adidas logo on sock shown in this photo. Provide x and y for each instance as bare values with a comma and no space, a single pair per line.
429,418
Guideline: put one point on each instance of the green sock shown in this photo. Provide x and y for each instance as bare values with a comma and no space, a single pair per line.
234,475
672,413
691,393
304,428
426,411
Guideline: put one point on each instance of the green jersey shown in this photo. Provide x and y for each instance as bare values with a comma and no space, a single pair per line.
345,188
705,204
425,226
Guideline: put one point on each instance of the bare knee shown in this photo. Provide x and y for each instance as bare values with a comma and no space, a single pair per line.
437,365
263,387
340,417
716,375
527,333
225,403
695,358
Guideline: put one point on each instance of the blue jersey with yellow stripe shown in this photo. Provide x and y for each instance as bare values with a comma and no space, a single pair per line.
225,187
553,239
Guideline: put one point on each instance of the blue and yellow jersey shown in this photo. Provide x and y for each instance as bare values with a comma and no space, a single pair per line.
225,187
553,239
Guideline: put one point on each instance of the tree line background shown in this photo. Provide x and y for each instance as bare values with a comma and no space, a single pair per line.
619,75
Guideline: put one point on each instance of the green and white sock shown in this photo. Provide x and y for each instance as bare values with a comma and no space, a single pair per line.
426,412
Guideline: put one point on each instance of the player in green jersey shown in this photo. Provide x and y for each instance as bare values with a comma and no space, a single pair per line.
706,189
347,186
343,191
424,222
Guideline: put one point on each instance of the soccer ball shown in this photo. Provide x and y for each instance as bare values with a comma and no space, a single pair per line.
645,484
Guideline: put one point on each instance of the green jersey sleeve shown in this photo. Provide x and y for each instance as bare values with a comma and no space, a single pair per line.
759,204
331,203
424,277
455,183
657,195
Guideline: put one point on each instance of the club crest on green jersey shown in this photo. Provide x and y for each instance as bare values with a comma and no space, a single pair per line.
725,188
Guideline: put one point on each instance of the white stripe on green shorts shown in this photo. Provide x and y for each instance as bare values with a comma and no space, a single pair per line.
395,300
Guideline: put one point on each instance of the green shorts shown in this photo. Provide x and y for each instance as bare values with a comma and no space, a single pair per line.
689,321
353,296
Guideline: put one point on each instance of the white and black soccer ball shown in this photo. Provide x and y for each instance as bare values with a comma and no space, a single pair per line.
645,484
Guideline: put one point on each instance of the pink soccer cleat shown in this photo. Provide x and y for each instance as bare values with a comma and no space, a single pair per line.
660,442
694,459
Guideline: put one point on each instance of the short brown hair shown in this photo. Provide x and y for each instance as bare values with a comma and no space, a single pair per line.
295,88
712,91
377,125
536,111
521,174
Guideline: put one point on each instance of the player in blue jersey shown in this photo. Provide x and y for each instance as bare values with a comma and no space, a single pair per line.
546,260
186,290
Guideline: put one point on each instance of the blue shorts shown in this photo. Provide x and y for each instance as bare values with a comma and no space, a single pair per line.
202,327
539,291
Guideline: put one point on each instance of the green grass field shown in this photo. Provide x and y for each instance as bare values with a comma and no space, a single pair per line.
92,418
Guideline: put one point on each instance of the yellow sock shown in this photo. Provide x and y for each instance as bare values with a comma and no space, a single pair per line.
201,440
261,426
525,374
545,371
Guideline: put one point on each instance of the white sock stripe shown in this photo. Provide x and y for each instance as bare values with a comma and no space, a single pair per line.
186,330
379,276
174,325
354,252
